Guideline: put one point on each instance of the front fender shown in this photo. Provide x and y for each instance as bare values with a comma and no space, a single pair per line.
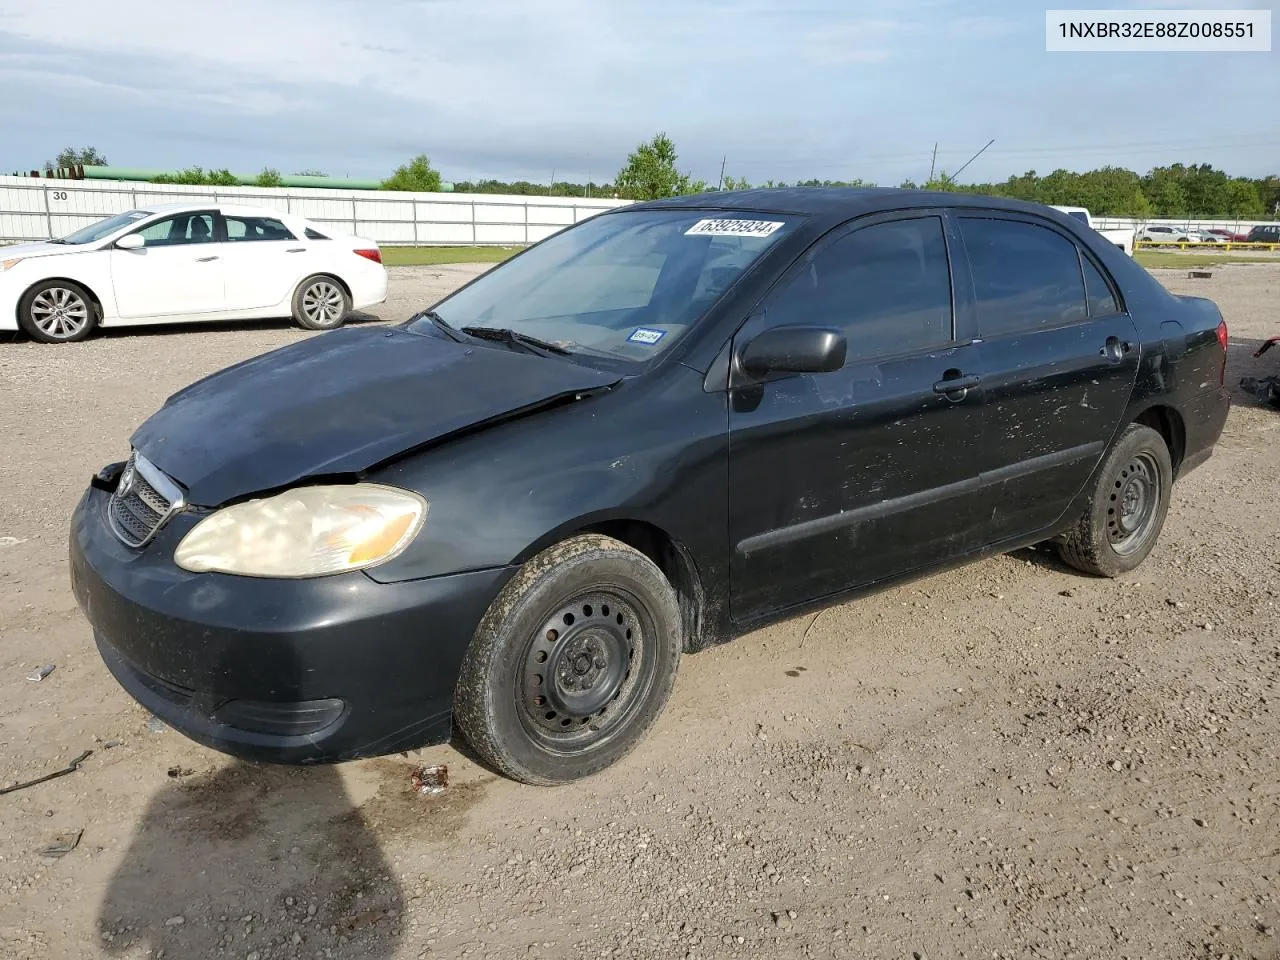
659,457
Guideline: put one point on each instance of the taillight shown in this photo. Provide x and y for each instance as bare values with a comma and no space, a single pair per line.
1222,341
375,254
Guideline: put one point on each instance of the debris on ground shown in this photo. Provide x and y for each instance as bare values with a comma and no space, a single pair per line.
42,671
62,844
176,772
156,725
1199,275
1266,389
11,541
429,780
72,767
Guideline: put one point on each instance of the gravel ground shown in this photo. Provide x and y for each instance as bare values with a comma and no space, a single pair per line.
1006,760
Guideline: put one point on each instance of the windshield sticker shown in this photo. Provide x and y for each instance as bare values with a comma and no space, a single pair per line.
646,336
733,228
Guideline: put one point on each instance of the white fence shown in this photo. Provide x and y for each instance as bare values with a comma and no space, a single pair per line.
40,209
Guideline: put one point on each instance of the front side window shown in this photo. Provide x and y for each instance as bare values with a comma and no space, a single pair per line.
255,228
179,229
104,228
887,286
624,286
1026,277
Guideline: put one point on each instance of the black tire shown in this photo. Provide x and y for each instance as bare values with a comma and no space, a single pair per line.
1127,507
57,311
321,302
606,623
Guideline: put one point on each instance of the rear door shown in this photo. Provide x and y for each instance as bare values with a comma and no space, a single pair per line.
263,260
1059,358
842,479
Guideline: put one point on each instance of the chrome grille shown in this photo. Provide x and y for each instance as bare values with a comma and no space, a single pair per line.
143,501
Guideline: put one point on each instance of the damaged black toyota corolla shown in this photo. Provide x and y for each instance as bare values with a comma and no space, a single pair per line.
653,431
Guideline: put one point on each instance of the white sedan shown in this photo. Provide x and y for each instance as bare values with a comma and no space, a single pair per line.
179,262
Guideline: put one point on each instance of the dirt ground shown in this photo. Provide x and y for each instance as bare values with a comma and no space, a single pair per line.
1007,760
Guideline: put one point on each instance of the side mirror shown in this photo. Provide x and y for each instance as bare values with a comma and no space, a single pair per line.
795,350
131,241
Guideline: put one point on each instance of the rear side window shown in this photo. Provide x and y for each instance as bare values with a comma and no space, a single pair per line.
313,234
888,286
1102,302
256,228
1026,277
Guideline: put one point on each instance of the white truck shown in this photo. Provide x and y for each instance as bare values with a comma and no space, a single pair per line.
1121,238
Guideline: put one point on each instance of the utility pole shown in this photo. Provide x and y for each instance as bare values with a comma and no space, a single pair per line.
720,185
552,189
933,161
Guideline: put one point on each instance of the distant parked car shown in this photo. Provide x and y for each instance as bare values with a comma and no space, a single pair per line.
1267,233
1157,233
187,261
1225,236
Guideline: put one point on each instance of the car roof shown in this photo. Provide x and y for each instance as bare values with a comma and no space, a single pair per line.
836,202
212,202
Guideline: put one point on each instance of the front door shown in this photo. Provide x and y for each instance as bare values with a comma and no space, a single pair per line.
842,479
178,271
1059,358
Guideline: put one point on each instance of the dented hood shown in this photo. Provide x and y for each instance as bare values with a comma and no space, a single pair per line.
340,403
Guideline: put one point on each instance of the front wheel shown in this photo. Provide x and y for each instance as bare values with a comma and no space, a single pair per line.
1126,509
320,303
57,311
572,663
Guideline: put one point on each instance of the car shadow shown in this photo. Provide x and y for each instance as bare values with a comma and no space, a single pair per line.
253,859
356,318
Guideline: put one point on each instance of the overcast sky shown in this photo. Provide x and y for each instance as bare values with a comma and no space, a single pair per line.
515,89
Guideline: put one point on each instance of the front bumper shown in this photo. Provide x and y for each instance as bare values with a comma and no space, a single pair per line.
286,671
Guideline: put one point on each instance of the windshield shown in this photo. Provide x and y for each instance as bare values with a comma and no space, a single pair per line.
104,228
625,286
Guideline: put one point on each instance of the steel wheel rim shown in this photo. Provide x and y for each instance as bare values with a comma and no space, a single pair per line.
322,303
1135,500
59,312
586,671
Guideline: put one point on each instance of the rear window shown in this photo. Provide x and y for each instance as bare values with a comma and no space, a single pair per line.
1026,277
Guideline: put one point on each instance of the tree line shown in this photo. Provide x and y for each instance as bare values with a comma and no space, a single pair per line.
652,171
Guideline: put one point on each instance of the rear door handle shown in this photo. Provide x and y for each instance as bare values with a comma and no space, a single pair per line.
960,384
1114,349
296,250
205,259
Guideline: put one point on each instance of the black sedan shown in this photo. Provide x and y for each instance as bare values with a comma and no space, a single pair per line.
660,428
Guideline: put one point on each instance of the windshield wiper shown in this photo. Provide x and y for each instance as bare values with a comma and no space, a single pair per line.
507,335
440,324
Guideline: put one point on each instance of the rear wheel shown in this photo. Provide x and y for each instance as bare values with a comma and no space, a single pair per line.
1127,507
572,663
57,311
320,303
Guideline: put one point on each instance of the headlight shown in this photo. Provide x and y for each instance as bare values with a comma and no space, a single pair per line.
306,532
6,264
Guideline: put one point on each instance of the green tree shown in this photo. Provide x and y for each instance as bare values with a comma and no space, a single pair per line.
310,172
269,177
417,175
650,172
71,157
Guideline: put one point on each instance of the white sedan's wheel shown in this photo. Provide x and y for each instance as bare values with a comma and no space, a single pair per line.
57,311
320,303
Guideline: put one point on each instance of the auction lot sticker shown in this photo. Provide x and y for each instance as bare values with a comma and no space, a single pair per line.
733,228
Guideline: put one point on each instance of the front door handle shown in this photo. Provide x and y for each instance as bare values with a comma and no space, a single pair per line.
205,259
296,250
949,386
